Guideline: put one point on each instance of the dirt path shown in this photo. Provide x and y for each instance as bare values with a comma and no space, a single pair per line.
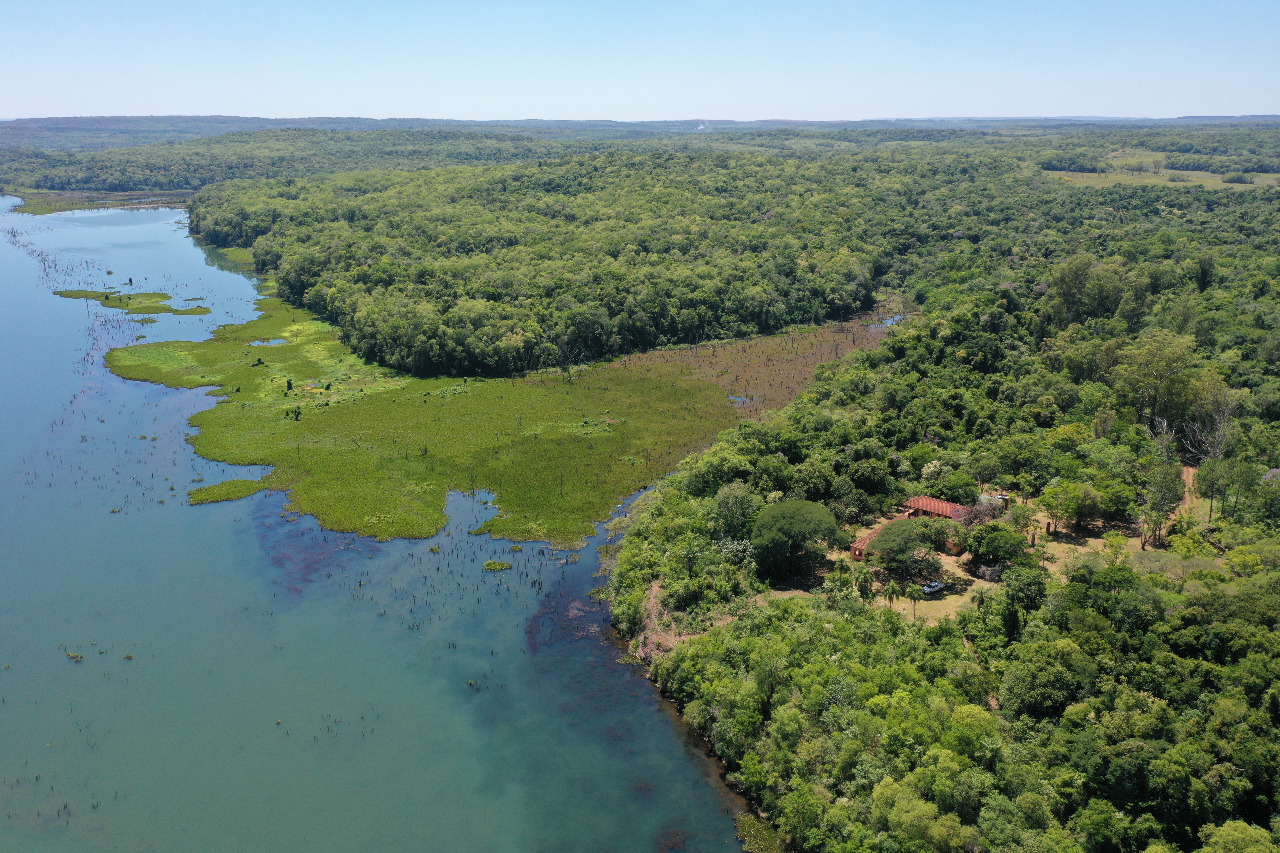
1189,479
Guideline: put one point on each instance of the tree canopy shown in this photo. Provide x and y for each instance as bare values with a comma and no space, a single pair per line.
789,538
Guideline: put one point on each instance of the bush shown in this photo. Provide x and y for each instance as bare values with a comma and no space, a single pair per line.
958,487
735,510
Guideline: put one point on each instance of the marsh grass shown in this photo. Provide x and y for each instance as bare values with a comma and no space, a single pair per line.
757,836
132,303
366,449
228,490
40,202
766,372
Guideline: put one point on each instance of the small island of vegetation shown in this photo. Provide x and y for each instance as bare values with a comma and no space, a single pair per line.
133,303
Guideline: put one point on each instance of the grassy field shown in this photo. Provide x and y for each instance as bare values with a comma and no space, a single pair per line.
1135,178
366,449
132,303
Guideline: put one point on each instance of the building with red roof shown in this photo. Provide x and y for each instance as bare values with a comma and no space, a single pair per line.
934,508
916,507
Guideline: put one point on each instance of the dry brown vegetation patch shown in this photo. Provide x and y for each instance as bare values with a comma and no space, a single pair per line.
766,373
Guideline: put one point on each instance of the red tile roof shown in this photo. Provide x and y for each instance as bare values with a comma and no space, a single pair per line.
861,544
935,506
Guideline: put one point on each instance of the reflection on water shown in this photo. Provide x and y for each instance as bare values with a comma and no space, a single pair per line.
233,677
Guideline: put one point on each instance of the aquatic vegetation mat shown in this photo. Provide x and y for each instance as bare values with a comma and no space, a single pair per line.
133,303
367,449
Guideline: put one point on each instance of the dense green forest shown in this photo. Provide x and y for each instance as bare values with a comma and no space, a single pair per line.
130,154
500,269
191,164
1246,148
1121,698
1106,677
187,154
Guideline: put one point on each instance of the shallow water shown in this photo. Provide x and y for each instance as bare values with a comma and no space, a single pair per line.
289,688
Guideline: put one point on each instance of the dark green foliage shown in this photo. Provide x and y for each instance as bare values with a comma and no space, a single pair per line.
790,539
496,271
997,544
735,510
958,487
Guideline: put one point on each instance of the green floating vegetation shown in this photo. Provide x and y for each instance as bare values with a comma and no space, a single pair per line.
231,490
133,303
496,565
757,835
241,257
367,449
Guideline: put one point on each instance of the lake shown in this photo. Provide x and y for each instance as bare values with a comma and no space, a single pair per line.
232,676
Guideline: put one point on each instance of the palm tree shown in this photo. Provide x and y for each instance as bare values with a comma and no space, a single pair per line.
892,592
863,582
980,598
914,592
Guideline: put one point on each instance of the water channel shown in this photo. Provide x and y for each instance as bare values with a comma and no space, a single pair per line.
249,681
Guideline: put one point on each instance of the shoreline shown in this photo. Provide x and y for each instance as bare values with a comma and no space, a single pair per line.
35,202
370,450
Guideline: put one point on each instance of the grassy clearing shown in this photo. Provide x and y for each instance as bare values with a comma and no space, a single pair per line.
132,303
367,449
1111,179
238,257
40,202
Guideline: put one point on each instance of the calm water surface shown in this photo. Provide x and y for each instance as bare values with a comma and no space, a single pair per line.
250,681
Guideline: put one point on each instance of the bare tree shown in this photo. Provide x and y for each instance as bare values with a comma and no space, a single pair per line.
1212,415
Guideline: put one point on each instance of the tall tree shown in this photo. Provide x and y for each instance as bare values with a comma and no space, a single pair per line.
1154,375
1165,490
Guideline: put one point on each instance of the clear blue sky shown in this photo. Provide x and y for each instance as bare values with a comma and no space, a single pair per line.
656,59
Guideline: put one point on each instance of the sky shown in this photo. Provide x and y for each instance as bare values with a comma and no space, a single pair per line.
651,60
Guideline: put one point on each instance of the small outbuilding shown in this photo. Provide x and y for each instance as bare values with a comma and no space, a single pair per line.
858,550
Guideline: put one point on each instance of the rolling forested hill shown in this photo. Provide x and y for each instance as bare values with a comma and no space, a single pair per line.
495,270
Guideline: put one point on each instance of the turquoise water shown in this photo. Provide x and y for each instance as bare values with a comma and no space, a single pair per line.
289,688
